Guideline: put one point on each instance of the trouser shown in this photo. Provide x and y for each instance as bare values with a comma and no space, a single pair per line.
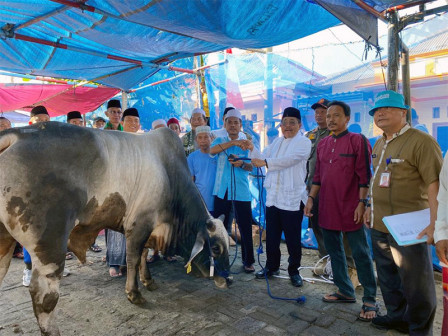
364,265
406,279
26,258
317,230
243,216
289,222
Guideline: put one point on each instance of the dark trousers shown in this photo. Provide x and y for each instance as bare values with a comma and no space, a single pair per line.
406,279
289,222
317,230
243,217
364,265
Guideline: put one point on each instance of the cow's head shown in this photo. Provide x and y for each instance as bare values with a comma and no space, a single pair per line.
213,241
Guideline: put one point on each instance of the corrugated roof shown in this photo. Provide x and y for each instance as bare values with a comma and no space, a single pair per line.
432,43
436,42
363,71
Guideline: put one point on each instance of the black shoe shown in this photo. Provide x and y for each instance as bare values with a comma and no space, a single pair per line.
386,323
262,273
296,280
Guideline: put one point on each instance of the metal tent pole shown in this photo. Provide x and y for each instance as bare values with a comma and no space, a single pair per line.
406,78
393,60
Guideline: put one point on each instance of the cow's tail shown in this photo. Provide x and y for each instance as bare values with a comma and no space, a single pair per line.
6,140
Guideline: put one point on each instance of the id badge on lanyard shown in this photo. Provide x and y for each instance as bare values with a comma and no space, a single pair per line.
385,177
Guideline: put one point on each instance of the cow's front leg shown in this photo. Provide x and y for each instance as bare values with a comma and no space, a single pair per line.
44,289
145,274
135,242
7,244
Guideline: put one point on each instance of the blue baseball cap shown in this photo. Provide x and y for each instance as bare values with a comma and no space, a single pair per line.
388,98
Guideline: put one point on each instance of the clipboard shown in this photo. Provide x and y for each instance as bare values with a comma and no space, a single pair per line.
406,227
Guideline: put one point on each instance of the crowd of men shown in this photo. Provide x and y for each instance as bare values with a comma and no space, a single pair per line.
329,174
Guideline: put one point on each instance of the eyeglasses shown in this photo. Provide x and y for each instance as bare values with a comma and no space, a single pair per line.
289,123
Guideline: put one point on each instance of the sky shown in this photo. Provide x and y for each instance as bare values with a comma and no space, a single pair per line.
339,48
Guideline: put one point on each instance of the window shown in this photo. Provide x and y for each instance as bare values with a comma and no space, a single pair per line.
436,112
357,117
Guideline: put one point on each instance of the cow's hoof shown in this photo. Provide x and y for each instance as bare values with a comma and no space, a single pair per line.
136,298
151,285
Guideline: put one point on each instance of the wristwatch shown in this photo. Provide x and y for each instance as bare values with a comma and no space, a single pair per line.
364,201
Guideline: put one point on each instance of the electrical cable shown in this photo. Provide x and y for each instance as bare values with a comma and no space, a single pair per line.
231,157
300,299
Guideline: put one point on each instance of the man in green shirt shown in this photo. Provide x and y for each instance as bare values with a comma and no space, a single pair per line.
189,140
406,164
114,113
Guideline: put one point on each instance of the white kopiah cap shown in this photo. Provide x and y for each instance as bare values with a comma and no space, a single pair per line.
203,129
158,122
233,113
198,110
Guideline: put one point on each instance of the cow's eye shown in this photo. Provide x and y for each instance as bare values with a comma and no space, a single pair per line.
216,249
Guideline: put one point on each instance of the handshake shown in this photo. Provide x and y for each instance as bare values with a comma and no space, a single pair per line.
244,144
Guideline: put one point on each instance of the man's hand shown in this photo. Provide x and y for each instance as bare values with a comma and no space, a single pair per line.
258,163
250,145
442,250
237,163
308,207
429,231
359,213
243,144
366,217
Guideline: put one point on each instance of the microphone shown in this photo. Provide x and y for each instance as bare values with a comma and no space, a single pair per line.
236,158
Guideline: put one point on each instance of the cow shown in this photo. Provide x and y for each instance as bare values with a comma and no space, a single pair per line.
61,185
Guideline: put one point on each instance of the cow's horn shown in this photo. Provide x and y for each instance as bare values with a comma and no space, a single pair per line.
197,248
211,227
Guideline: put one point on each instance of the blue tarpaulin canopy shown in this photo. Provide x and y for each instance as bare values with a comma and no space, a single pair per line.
121,43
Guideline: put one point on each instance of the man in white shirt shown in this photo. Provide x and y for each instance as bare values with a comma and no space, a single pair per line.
285,160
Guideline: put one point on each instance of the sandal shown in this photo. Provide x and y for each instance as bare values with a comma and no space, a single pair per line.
339,299
18,255
95,248
366,309
114,272
172,259
153,259
68,256
249,269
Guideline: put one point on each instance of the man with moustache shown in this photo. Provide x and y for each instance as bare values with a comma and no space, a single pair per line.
406,164
285,160
341,178
232,184
316,135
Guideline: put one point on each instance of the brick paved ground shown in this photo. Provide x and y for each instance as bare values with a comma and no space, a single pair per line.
92,303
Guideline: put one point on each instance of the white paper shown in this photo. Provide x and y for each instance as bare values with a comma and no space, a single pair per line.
406,227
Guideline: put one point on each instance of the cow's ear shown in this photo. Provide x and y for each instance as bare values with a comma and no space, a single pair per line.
211,227
197,248
222,218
